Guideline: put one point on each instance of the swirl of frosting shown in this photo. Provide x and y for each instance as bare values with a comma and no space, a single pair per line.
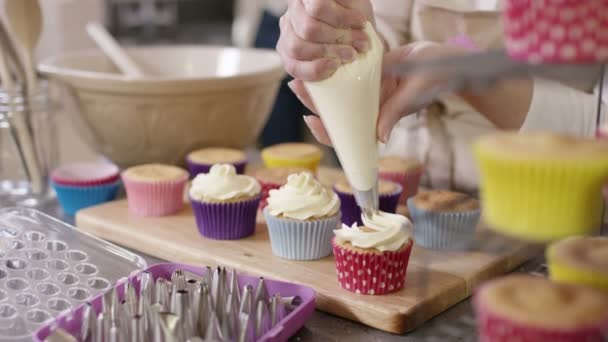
222,183
303,198
382,231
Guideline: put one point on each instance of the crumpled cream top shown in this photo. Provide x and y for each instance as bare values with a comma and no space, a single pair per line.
222,183
383,231
303,198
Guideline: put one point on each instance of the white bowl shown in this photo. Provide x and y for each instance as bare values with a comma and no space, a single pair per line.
191,97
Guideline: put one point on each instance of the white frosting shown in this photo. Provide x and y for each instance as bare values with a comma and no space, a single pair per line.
303,198
222,183
389,232
348,103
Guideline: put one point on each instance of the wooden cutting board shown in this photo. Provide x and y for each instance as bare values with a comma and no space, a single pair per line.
435,280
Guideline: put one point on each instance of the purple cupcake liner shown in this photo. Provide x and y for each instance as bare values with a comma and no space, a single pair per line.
197,168
226,221
351,212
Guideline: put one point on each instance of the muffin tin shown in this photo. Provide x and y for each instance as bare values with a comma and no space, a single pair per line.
48,267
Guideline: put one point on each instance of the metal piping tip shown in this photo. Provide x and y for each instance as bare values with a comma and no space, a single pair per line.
233,286
161,293
178,280
213,332
205,309
367,200
100,328
261,292
169,324
137,329
87,329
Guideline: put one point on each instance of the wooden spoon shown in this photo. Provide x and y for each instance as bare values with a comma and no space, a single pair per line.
110,47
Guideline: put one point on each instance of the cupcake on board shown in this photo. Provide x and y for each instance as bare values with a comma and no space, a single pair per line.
388,199
155,189
225,203
302,155
301,217
200,161
580,260
274,178
404,171
372,258
531,309
444,219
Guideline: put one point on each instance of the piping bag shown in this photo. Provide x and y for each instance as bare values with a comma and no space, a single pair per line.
348,103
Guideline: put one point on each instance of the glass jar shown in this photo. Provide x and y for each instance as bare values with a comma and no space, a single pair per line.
28,146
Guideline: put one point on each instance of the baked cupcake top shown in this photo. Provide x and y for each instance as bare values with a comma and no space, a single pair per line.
538,301
383,232
216,155
302,198
223,184
155,173
396,164
543,146
445,201
293,151
277,175
384,187
583,252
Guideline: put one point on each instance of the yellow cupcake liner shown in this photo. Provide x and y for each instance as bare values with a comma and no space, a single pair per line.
564,273
541,200
311,164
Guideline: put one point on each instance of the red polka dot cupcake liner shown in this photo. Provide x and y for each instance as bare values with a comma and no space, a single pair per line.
557,31
410,181
494,328
371,273
265,189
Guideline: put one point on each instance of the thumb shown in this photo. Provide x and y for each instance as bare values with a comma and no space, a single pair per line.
398,105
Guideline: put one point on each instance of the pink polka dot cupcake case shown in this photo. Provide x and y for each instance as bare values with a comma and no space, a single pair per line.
556,31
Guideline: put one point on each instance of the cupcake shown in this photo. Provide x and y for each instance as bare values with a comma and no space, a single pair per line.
301,218
541,186
155,189
372,259
444,219
273,178
557,31
225,204
388,199
303,155
200,161
531,309
580,260
406,172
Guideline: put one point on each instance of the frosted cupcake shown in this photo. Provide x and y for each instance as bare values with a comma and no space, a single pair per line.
530,309
274,178
302,155
406,172
444,219
225,204
580,260
301,217
542,187
155,189
372,259
200,161
388,199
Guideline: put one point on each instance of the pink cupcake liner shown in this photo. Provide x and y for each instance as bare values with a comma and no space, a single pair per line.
226,221
410,181
554,31
155,199
493,328
371,273
85,174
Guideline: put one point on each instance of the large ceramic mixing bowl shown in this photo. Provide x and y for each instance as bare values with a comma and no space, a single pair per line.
191,97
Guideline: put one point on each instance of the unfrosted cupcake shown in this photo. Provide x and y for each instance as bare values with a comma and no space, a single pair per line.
404,171
530,309
541,186
155,189
388,199
225,204
200,161
301,217
580,260
372,259
444,219
273,178
303,155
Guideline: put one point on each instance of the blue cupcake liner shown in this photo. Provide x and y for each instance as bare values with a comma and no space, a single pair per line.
73,198
447,231
301,240
226,221
351,212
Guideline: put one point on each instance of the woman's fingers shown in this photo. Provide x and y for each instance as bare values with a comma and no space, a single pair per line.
334,14
318,130
297,86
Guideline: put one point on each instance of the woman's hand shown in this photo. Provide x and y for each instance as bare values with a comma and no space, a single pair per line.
319,35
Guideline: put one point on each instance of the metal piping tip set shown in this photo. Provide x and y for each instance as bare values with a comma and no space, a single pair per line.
215,305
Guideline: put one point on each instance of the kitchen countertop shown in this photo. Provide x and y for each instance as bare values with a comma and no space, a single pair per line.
455,324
